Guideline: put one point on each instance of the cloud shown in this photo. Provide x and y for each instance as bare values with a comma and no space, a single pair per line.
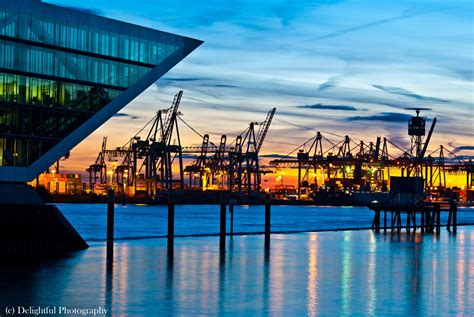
407,93
365,26
329,107
288,123
384,116
399,139
273,155
85,10
244,45
463,148
221,86
184,78
330,83
125,115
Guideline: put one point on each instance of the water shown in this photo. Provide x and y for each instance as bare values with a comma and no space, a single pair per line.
135,221
317,273
322,273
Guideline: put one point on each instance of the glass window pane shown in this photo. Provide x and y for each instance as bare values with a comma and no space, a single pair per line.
93,41
134,48
124,46
114,44
104,43
143,51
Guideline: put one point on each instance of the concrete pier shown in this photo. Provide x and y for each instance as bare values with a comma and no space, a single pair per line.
32,230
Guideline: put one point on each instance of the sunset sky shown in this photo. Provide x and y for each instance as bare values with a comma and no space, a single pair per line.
339,67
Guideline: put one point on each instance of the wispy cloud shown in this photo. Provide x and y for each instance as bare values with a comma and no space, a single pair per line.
86,10
463,148
221,86
330,83
407,93
263,54
384,116
183,79
125,115
401,140
329,107
273,155
366,25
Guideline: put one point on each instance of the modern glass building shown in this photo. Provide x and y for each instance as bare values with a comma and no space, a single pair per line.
63,73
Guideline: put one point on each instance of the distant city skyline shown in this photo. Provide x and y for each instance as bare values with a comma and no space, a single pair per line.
343,67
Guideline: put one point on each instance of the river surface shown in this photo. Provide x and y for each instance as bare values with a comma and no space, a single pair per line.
344,273
138,221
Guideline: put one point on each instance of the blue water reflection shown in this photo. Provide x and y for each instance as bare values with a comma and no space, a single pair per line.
133,221
324,273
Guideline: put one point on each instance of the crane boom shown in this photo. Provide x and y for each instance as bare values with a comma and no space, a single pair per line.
262,133
201,161
100,157
425,146
171,118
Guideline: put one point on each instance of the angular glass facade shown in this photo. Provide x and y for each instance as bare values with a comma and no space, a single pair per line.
59,67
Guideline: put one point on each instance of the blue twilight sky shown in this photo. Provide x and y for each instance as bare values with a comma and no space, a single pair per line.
345,67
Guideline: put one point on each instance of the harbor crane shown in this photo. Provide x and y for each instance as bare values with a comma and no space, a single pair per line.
98,170
245,167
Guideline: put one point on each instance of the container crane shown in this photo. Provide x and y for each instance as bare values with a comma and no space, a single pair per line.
98,170
252,142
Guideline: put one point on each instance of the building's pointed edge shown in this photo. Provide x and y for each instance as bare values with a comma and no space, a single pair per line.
29,173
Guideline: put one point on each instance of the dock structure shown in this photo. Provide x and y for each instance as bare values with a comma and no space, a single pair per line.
406,197
429,217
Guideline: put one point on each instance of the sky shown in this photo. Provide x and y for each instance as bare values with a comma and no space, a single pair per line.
339,67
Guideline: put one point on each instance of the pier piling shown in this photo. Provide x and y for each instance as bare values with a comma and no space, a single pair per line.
267,219
454,208
223,221
448,225
171,202
376,220
430,217
408,221
438,218
422,226
231,211
110,223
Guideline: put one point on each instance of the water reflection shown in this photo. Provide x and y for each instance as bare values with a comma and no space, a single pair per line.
169,282
346,274
330,273
371,280
266,279
312,287
109,283
277,277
